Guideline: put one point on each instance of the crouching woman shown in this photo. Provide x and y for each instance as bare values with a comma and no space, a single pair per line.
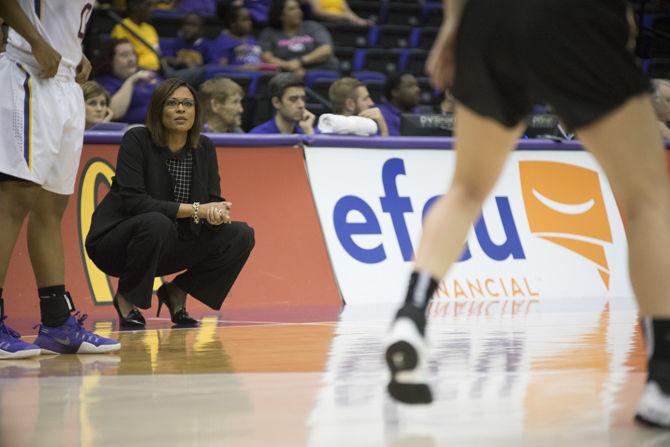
164,214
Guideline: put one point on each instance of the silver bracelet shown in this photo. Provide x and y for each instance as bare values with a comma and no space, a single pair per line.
196,218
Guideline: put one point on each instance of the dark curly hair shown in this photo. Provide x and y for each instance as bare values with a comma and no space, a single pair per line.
275,12
102,62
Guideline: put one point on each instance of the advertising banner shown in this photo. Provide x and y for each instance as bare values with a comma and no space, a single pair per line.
268,186
550,229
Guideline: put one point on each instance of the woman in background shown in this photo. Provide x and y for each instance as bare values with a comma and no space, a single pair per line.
164,214
97,104
116,69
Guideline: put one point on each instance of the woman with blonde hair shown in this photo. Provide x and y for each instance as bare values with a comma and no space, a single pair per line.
97,104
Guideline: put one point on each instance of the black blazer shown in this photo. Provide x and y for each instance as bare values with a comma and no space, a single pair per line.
143,183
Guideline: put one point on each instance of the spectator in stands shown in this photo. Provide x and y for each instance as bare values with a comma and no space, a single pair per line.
350,99
149,53
257,8
287,93
189,49
293,44
236,46
661,102
336,11
148,57
221,100
115,68
96,99
403,94
164,214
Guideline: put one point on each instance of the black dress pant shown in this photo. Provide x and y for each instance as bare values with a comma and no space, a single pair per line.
147,245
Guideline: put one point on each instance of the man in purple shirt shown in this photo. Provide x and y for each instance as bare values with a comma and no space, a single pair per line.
236,44
403,95
287,93
189,49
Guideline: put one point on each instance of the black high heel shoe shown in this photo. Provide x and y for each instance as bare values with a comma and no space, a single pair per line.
134,319
179,317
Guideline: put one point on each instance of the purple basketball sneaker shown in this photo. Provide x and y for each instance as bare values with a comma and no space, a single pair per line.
72,338
11,345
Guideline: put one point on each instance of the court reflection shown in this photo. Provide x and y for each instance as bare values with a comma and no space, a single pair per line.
203,384
506,378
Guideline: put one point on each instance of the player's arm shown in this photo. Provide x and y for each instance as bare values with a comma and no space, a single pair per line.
441,60
46,57
452,12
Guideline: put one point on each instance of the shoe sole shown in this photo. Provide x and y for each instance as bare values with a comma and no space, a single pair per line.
402,358
644,421
87,348
654,407
23,354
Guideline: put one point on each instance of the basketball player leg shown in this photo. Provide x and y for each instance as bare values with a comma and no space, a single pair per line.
16,199
45,243
482,146
45,246
628,146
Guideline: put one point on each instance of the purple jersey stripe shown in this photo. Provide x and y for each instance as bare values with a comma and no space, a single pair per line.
27,120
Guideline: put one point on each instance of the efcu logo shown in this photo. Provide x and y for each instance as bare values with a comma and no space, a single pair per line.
565,205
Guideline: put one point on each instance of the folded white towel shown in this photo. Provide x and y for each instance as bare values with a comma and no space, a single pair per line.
340,124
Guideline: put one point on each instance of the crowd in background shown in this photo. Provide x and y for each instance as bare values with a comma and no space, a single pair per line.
258,39
255,41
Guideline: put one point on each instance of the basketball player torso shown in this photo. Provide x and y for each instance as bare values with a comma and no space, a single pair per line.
61,23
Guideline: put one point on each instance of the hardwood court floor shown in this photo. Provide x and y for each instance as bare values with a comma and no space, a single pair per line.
556,374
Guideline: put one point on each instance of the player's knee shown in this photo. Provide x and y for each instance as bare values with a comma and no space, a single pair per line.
49,208
637,205
17,205
470,193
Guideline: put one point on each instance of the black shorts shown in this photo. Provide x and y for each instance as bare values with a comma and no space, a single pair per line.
571,54
10,178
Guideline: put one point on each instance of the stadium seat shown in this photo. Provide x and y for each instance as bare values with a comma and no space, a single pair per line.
374,59
376,89
390,36
431,14
657,67
321,86
367,9
405,13
345,55
423,38
313,76
246,79
414,61
345,35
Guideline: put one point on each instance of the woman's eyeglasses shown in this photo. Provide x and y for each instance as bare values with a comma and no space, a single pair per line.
174,103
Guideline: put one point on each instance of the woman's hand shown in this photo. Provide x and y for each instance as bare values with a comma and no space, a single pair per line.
215,213
109,114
